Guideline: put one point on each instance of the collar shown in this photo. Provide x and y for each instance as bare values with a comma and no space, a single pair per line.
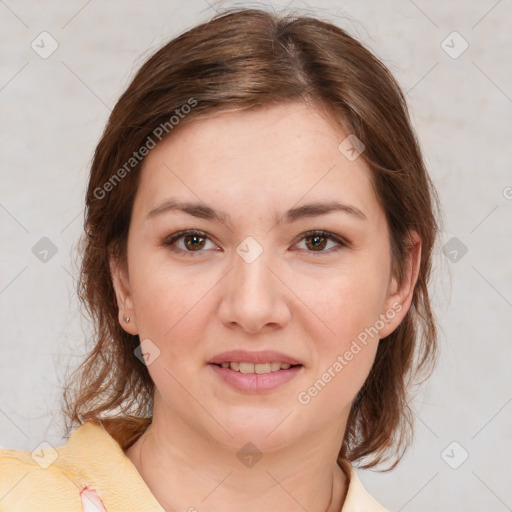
98,461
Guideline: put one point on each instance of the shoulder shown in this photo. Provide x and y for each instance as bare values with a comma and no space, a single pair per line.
49,478
357,499
34,481
89,472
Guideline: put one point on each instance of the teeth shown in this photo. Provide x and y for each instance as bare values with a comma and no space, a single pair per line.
246,367
258,368
262,368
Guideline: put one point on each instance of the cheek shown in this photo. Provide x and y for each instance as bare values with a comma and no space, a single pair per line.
347,301
345,330
171,302
342,359
173,310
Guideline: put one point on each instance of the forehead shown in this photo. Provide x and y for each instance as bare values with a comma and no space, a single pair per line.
250,160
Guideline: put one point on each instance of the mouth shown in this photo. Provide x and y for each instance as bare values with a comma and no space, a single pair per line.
255,368
248,377
254,372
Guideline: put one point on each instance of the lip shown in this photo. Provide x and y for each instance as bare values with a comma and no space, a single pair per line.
262,356
253,382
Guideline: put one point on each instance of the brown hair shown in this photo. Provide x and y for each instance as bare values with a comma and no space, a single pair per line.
244,59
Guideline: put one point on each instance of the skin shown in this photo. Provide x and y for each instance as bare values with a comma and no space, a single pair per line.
308,303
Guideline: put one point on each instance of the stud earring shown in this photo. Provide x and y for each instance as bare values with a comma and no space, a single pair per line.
126,319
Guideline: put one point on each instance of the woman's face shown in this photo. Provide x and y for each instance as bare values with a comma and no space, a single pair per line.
259,188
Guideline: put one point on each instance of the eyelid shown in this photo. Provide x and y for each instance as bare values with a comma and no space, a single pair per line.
341,241
170,240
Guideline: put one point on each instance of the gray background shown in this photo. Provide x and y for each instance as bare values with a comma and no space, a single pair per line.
54,110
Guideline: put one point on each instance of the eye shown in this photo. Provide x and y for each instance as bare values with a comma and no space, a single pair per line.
318,240
194,241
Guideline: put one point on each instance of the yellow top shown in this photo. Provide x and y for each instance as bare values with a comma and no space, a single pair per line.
92,473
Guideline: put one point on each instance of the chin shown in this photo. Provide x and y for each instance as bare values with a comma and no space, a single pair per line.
266,428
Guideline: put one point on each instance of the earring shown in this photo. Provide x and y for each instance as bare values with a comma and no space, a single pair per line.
126,319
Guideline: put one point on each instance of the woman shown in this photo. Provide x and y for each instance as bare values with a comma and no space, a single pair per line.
256,256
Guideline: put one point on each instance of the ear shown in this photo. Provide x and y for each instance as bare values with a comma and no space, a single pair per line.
400,295
124,295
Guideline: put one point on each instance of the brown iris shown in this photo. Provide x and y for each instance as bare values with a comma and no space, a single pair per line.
317,241
197,241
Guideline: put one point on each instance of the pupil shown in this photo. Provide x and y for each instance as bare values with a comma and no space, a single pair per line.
316,241
195,239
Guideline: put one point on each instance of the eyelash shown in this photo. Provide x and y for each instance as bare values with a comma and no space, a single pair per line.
169,241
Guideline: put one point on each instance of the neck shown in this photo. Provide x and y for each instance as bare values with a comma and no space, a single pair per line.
197,473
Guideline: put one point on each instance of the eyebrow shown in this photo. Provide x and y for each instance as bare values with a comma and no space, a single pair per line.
203,211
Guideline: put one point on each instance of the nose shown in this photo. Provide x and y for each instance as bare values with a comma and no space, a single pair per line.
255,298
